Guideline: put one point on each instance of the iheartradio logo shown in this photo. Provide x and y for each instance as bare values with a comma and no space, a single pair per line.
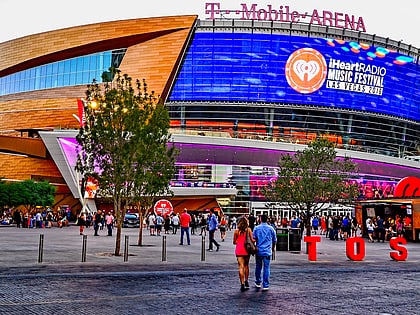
306,70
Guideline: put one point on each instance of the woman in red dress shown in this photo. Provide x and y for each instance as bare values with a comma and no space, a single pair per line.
242,256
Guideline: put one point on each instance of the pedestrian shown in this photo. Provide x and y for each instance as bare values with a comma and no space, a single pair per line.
251,221
175,223
38,220
213,224
265,237
381,229
185,220
203,225
159,222
222,228
167,224
152,222
110,223
370,228
97,218
81,222
17,217
242,256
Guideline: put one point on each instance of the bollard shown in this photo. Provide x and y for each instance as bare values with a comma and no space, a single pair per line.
203,248
126,248
41,248
164,248
84,246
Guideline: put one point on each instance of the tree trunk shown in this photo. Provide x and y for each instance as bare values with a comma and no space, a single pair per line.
140,239
120,217
118,240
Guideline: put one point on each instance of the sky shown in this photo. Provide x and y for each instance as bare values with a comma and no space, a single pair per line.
25,17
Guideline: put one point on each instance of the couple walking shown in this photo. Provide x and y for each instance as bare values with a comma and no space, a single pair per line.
265,238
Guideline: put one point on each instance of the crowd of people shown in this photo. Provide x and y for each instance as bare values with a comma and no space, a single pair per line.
98,219
383,229
40,219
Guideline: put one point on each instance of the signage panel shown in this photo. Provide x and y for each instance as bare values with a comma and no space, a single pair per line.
275,68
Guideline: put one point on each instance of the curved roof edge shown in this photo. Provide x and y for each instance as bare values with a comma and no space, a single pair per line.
47,46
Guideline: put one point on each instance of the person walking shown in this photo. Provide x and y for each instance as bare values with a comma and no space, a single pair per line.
222,227
265,237
110,223
213,223
242,256
185,220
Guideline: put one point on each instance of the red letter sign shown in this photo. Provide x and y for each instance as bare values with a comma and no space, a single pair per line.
312,240
395,243
360,248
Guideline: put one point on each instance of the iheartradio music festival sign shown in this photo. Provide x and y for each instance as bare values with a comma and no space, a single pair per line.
284,13
307,70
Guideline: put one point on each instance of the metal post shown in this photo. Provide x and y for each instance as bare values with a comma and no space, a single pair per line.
203,248
41,248
164,248
273,254
84,246
126,248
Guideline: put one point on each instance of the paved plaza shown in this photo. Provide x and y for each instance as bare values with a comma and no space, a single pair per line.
187,280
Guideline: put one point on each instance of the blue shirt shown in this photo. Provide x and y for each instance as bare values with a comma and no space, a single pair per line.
213,222
265,236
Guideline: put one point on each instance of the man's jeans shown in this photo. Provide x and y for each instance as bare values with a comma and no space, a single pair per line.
259,262
187,231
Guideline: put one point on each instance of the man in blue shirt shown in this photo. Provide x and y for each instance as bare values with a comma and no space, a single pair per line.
213,223
265,236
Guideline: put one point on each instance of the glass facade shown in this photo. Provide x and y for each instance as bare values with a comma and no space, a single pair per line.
240,82
75,71
259,68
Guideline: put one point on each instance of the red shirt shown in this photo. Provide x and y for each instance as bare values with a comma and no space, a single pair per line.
185,220
240,245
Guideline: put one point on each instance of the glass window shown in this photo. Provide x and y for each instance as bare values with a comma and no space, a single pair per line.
74,71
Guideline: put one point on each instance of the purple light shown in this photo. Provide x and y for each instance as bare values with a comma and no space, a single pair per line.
232,155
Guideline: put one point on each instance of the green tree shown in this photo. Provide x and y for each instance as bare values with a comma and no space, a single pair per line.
30,194
153,181
124,143
309,179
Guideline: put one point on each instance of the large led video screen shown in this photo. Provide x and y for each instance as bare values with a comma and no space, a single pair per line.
275,68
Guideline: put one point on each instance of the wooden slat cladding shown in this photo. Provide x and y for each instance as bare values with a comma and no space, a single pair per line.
21,168
15,52
38,114
155,60
20,145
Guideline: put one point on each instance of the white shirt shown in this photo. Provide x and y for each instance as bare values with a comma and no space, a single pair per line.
175,220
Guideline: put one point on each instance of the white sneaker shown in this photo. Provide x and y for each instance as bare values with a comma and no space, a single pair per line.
265,288
258,285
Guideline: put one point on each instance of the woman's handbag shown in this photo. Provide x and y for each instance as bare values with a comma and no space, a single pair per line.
250,247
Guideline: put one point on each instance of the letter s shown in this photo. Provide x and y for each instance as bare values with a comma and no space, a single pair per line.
395,244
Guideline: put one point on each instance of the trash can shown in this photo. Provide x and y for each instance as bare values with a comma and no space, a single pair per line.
294,240
282,239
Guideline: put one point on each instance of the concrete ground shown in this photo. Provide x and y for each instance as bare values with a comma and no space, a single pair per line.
187,280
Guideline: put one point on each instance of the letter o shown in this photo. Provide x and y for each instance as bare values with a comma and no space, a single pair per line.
357,243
